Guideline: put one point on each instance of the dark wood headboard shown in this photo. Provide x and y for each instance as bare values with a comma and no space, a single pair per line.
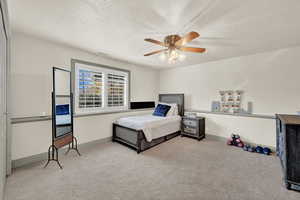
174,98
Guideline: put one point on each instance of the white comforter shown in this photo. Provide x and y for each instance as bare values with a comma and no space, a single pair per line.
152,126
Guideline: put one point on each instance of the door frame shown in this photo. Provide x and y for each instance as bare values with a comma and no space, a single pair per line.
4,9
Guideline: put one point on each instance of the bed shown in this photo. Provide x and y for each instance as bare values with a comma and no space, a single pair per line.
132,132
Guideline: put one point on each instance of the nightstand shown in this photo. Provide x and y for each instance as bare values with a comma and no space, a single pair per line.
193,127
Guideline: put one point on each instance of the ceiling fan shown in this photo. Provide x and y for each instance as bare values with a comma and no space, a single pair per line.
173,43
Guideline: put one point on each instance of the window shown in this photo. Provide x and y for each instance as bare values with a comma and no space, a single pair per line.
99,88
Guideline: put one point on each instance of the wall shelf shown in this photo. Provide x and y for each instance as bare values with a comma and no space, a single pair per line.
233,114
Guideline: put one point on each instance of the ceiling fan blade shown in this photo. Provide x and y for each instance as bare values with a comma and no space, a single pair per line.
192,49
155,42
188,37
155,52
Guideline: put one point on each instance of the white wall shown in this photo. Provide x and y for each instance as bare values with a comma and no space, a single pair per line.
255,130
270,80
35,137
32,62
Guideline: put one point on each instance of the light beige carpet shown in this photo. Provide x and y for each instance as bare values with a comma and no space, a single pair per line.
180,169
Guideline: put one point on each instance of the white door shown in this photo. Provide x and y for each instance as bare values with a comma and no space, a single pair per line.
3,65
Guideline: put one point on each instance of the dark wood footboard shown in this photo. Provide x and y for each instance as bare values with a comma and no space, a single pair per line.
136,139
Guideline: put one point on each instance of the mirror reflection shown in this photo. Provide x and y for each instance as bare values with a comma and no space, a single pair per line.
63,118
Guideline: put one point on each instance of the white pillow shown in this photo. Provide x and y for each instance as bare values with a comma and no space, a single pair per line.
176,110
173,110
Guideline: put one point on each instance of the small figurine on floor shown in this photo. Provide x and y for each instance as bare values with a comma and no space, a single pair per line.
235,140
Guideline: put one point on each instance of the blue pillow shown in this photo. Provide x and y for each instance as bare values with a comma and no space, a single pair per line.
161,110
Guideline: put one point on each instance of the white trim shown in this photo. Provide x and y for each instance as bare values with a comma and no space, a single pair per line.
7,137
105,71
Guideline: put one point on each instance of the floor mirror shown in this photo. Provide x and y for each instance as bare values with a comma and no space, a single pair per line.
62,115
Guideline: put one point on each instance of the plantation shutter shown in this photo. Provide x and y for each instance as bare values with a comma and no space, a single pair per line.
116,90
90,89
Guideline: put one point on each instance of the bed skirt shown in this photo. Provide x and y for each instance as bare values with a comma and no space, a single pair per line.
136,138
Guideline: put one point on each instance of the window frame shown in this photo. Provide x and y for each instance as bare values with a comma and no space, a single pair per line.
76,65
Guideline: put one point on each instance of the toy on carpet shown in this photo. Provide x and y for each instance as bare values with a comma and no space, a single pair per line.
267,151
235,140
258,149
263,150
249,148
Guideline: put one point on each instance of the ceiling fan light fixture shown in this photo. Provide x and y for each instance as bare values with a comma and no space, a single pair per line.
163,56
173,55
174,47
182,57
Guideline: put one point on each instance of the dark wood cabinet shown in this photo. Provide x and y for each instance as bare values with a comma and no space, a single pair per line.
193,127
288,148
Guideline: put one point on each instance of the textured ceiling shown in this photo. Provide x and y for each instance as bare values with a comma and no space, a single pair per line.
117,28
